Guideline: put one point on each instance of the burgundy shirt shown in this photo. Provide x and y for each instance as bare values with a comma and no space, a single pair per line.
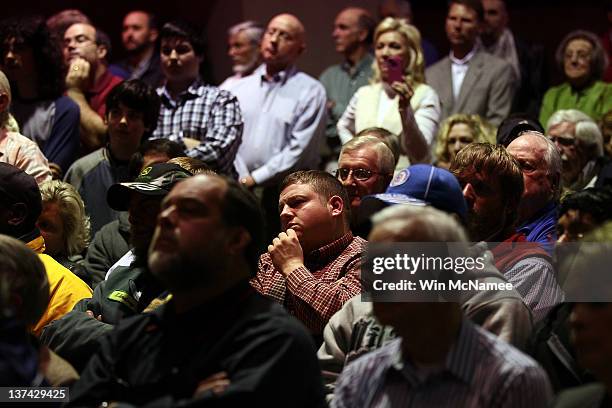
96,96
314,293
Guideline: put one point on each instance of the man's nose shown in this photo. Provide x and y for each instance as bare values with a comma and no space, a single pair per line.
173,55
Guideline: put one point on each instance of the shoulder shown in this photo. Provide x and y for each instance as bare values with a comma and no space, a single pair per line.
86,163
586,396
58,274
439,68
329,72
64,103
308,83
20,139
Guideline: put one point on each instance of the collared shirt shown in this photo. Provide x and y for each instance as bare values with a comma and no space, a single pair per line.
284,122
341,81
96,96
204,113
19,151
459,68
479,371
331,275
542,227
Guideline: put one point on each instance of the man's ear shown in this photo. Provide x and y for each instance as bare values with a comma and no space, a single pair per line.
239,239
18,213
153,35
101,50
363,34
335,206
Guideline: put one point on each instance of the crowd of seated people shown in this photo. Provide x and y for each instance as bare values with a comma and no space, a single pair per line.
168,242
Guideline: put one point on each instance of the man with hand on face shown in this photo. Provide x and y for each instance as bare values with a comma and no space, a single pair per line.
314,266
88,81
216,342
139,38
203,118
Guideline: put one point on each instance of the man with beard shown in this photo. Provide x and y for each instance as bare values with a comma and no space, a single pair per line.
128,289
492,184
243,48
139,38
216,342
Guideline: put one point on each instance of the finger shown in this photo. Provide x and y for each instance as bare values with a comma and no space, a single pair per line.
291,233
282,236
217,376
89,313
276,241
270,248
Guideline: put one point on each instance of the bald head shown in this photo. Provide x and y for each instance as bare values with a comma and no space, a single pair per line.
283,42
353,29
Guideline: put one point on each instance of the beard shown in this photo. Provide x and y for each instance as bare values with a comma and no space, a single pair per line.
241,69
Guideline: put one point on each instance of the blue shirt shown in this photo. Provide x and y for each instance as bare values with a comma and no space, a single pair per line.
542,228
284,122
480,371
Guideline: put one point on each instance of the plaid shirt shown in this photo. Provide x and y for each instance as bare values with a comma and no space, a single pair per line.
313,293
205,113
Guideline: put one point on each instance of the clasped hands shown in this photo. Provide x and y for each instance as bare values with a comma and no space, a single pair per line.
286,252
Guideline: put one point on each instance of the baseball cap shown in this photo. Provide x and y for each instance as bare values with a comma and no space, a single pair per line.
511,127
155,180
420,184
17,186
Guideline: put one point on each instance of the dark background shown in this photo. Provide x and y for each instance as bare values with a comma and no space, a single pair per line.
545,22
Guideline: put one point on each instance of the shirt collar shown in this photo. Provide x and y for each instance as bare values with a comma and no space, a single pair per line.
102,82
332,249
460,360
280,77
354,70
190,92
465,60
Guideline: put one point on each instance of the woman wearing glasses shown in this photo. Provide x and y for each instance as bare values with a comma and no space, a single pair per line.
398,99
582,60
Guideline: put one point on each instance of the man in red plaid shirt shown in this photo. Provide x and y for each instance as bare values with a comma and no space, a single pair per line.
313,267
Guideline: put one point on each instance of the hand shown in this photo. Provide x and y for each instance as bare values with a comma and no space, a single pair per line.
286,252
248,181
405,93
56,171
217,383
78,75
93,316
190,143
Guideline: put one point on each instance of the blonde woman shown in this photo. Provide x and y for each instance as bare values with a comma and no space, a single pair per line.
402,104
458,131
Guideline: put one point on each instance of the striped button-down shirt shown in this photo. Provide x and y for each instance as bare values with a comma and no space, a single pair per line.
205,113
314,292
480,371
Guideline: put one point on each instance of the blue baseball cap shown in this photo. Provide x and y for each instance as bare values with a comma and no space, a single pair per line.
420,184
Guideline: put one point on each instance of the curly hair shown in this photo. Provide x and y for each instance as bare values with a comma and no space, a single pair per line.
481,131
414,73
72,212
599,59
32,33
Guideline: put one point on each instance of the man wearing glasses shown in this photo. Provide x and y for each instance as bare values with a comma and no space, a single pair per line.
88,81
365,167
580,144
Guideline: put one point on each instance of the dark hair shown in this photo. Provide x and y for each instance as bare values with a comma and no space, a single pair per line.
163,146
103,39
596,201
494,161
137,95
475,5
186,31
322,183
22,273
33,33
367,22
241,208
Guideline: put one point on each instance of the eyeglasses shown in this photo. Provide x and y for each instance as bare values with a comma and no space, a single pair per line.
563,140
358,174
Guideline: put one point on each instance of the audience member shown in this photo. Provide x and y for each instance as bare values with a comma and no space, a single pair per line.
88,81
527,59
469,80
540,163
59,22
244,42
402,9
313,267
583,211
284,110
579,142
365,167
407,107
129,287
132,110
139,38
204,251
16,149
352,34
20,206
581,59
492,184
64,226
204,118
32,60
456,132
514,125
440,359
